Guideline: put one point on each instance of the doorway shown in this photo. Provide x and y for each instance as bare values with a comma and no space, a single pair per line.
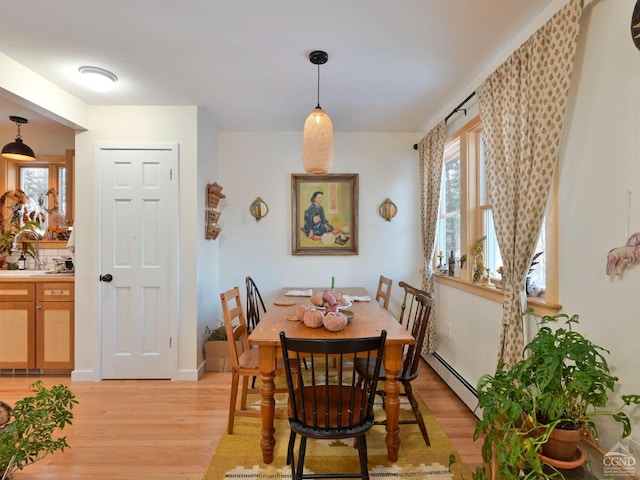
138,259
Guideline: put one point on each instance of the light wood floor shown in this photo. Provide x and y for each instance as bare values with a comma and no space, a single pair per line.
156,429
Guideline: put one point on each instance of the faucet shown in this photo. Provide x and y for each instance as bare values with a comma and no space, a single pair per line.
36,237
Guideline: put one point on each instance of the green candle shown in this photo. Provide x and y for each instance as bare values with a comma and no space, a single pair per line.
333,282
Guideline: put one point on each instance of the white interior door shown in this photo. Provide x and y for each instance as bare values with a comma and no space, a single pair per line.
139,252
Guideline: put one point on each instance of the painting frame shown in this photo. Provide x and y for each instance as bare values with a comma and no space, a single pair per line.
324,214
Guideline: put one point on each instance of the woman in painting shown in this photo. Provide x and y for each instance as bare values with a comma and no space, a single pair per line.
315,223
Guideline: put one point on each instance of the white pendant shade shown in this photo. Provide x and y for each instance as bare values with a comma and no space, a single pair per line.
317,143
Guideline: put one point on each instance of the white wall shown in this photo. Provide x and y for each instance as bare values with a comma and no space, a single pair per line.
208,250
599,164
260,164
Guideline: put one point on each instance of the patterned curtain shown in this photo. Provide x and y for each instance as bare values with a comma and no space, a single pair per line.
431,151
522,106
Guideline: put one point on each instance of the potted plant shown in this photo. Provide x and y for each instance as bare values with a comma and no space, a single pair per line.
28,436
12,204
561,384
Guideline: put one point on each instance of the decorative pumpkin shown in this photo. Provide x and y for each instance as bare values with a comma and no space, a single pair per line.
300,309
334,322
316,299
313,318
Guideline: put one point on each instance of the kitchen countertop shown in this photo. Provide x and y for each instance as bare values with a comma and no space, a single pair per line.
15,276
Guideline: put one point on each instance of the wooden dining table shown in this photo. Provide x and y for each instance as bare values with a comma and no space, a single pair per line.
369,320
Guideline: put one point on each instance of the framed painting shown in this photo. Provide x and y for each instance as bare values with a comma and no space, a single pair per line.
324,214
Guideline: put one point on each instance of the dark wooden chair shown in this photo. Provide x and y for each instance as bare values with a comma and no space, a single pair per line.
255,305
244,360
325,402
416,322
384,291
409,303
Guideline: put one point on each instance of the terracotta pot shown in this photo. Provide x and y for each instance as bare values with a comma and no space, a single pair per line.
563,445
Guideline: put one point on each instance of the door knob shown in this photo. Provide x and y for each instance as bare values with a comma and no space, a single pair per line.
106,277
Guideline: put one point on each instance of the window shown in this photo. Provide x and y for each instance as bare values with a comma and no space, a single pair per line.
450,194
465,212
47,183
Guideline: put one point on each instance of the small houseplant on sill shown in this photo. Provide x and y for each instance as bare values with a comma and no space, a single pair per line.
562,384
28,436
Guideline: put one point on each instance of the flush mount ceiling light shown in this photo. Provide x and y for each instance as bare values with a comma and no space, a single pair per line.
18,150
97,78
317,139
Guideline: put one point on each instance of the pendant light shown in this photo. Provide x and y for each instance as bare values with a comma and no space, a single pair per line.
18,150
317,139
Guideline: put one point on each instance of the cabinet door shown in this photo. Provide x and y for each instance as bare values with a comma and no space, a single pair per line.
17,342
54,335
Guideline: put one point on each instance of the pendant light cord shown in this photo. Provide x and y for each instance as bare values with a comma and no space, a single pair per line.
19,136
318,105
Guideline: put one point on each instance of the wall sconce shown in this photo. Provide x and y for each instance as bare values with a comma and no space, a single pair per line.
388,210
258,209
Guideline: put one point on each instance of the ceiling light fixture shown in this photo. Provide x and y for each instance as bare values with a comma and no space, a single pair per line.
317,138
97,78
18,150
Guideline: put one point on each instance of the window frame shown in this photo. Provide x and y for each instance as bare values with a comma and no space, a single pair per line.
472,225
53,162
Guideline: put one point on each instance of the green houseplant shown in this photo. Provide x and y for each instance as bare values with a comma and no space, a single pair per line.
12,204
29,435
562,382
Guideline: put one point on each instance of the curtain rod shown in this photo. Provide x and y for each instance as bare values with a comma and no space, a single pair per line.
454,111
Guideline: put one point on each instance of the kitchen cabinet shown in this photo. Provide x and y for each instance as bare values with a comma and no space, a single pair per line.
36,324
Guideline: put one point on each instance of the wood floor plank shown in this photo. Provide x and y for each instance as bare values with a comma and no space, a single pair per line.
157,429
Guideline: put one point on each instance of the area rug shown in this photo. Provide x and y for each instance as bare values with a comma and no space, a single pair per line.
238,456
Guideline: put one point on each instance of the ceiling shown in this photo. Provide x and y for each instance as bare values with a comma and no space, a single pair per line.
393,65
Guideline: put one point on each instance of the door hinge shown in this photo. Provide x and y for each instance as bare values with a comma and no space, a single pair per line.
170,342
171,174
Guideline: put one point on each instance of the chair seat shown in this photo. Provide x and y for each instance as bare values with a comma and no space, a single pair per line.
360,366
248,363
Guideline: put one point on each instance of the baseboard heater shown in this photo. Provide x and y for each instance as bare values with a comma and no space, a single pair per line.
460,386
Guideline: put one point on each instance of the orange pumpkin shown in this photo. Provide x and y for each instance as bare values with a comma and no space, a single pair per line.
313,318
334,322
300,309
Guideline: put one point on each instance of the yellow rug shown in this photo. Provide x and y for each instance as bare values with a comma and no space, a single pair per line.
238,456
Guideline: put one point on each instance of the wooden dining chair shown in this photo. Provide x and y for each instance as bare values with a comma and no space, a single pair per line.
384,291
409,303
244,360
326,403
417,322
255,305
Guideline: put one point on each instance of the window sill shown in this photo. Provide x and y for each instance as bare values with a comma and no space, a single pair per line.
540,305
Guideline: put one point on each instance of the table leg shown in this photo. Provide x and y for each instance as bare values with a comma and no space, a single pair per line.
267,366
392,365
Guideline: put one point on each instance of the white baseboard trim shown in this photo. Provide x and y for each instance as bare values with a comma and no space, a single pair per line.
463,389
187,375
83,376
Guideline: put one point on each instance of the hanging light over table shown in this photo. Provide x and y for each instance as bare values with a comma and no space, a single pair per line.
317,139
17,150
